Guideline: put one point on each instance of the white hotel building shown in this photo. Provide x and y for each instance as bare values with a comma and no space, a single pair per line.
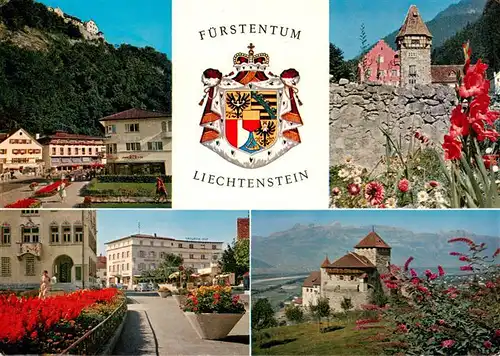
129,256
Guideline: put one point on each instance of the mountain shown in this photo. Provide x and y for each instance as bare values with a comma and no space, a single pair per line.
448,22
304,247
256,263
484,37
52,78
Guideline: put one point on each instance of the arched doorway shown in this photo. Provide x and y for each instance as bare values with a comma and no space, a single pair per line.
62,268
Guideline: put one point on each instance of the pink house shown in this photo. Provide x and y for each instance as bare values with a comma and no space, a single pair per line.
380,65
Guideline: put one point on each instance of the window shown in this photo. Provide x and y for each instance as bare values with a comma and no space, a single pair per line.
61,151
123,266
368,72
394,73
133,146
152,243
5,238
53,151
214,247
5,267
155,146
152,266
77,151
78,273
191,256
152,254
83,150
142,254
202,246
351,278
78,233
180,246
128,253
113,268
30,234
90,151
413,70
131,127
110,268
140,243
69,151
215,257
30,265
415,42
20,160
127,266
66,233
111,129
191,246
341,278
412,54
54,234
162,254
30,212
111,148
203,257
380,59
142,266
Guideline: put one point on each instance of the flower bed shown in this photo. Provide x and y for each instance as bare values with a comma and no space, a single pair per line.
36,326
51,189
214,299
25,203
133,179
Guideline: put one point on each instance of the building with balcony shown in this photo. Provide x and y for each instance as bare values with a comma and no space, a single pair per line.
138,142
64,151
63,242
101,269
129,256
18,150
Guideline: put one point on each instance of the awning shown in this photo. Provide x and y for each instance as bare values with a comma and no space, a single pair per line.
195,275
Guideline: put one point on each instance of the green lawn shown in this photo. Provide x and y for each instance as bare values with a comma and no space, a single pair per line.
97,188
305,339
132,205
117,186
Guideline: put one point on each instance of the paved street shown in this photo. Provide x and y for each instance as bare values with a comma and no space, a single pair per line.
19,189
156,326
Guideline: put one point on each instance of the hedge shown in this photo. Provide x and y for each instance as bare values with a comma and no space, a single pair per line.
133,179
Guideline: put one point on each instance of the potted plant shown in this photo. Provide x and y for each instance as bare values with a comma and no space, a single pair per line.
213,311
164,292
180,296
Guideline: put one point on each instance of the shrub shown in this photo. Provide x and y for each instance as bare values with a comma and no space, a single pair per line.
215,299
133,179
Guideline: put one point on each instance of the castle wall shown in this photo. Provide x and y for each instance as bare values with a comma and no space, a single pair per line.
381,258
310,295
358,111
335,298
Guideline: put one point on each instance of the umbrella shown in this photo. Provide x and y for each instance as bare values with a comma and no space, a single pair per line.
195,275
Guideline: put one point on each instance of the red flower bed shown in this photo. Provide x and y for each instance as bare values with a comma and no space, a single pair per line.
25,203
31,325
50,189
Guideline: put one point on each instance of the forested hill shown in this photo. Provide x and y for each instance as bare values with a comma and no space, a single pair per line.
484,36
52,79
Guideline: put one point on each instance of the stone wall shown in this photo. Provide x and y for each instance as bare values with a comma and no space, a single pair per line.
358,111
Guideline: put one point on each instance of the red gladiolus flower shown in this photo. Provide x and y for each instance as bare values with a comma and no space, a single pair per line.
462,239
413,273
497,252
353,189
452,147
459,122
464,258
466,268
487,344
404,185
441,271
448,343
374,193
474,82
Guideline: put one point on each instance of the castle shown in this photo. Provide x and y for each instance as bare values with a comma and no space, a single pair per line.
88,29
411,63
349,276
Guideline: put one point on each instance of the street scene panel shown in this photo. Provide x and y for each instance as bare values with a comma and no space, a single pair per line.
368,282
401,134
124,282
86,106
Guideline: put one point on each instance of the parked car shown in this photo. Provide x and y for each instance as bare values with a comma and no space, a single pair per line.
144,287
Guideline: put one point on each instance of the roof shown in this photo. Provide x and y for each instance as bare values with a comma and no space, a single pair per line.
101,262
445,73
134,114
3,136
6,135
372,240
352,260
155,237
61,135
326,262
243,228
414,25
314,279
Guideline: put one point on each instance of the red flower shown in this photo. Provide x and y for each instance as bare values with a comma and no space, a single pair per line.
441,322
404,185
433,276
497,252
452,147
490,284
441,271
289,74
415,281
497,333
464,258
487,344
353,189
407,263
448,343
433,183
402,328
475,82
459,122
466,268
463,239
374,193
413,273
216,296
336,191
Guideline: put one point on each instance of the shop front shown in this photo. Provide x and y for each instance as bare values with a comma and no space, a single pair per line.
134,165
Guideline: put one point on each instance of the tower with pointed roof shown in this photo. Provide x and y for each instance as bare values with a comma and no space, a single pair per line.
376,250
414,42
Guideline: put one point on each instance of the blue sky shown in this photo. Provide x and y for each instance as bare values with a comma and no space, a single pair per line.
486,222
381,17
214,225
139,23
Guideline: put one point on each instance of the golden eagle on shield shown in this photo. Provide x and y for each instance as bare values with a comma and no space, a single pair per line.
251,116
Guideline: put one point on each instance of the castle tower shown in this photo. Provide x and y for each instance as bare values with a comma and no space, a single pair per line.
376,251
414,42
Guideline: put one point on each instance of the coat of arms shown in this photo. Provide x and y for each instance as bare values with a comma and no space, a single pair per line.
251,116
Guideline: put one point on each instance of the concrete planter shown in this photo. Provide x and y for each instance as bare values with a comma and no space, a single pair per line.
180,299
163,294
213,326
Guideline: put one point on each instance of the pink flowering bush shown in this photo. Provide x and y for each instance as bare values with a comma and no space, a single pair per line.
431,315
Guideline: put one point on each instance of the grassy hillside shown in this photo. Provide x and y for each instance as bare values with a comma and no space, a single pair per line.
52,79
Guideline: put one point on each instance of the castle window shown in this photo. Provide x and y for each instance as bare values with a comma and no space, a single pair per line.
78,233
412,54
30,234
413,70
415,42
30,265
54,234
6,271
352,278
5,235
341,278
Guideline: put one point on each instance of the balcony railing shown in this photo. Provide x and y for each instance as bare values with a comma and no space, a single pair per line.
34,248
166,134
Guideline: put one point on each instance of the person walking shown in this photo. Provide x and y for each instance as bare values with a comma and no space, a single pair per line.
161,190
45,285
62,191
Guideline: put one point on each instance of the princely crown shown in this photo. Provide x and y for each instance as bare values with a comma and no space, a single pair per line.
251,61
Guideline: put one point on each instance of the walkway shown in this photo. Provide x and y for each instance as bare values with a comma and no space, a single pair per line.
153,318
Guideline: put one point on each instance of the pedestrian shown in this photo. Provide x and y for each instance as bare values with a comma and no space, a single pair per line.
62,190
45,285
161,190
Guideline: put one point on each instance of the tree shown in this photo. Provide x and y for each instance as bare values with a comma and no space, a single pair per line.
263,315
242,254
338,67
364,51
294,314
320,310
228,262
378,296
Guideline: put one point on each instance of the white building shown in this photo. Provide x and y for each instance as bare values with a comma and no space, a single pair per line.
91,27
138,142
129,256
497,83
311,289
19,150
